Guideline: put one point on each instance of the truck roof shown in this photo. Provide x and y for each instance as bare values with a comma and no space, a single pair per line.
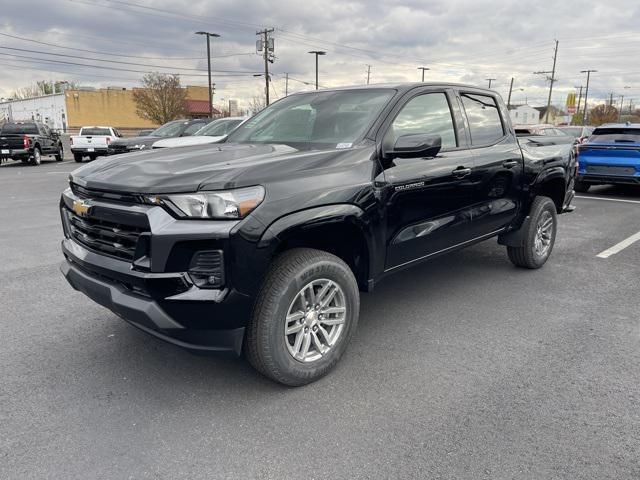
402,87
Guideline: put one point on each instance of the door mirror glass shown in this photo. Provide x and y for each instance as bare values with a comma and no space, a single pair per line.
417,145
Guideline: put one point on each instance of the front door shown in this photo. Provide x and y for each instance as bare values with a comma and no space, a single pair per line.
428,200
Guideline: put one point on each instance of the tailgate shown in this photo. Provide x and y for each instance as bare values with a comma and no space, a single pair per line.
14,141
609,159
89,141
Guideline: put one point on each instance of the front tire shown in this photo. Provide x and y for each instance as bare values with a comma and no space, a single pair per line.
60,155
304,317
539,235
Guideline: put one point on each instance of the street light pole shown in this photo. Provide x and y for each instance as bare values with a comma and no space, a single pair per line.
423,70
490,80
317,53
586,94
209,35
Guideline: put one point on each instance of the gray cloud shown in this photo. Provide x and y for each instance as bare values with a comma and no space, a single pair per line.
459,40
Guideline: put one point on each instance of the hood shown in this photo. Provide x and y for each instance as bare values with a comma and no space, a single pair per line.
135,140
212,167
187,141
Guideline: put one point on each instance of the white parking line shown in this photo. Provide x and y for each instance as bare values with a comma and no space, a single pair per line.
618,247
609,199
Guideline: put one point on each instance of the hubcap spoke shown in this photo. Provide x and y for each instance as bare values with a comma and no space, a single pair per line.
315,320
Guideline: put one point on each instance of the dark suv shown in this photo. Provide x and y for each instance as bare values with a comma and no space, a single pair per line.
263,243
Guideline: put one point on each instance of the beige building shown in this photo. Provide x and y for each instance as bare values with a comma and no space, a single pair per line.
114,107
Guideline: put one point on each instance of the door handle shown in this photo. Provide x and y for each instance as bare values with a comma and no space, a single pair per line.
461,172
510,164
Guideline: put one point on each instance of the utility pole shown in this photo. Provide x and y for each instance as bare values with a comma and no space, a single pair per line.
317,53
265,45
551,79
368,73
423,70
510,90
586,94
286,84
209,35
611,99
490,80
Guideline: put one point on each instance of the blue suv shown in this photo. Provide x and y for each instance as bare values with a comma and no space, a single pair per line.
611,155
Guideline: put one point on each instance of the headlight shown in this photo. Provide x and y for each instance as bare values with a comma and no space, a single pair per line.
237,203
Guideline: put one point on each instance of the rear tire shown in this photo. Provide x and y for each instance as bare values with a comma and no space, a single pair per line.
581,187
37,156
313,347
92,157
77,157
539,235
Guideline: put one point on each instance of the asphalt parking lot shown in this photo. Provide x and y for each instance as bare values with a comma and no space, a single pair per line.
465,367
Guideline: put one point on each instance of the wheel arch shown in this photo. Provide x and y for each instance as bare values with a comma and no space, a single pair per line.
551,183
339,229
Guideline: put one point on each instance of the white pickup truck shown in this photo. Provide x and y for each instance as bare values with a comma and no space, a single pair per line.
92,142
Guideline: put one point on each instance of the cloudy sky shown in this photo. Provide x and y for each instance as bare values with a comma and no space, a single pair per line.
113,42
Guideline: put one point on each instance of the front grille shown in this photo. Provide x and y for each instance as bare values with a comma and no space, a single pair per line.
109,238
83,192
610,170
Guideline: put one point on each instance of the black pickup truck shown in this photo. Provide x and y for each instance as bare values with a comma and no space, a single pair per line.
29,142
263,244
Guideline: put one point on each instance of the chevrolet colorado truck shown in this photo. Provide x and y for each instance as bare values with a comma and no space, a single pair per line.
29,142
262,244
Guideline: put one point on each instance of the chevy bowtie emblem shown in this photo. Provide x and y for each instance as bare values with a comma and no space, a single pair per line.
81,208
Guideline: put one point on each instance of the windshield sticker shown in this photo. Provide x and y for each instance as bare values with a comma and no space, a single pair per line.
344,145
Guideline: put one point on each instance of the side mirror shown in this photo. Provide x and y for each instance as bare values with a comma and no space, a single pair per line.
416,145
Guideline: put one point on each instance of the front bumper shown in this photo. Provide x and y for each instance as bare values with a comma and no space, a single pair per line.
610,179
157,295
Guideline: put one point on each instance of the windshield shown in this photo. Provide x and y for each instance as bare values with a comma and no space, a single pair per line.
12,128
171,129
95,131
623,135
334,119
219,127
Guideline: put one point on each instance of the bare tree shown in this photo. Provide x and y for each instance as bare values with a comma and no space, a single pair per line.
603,114
42,87
256,104
161,99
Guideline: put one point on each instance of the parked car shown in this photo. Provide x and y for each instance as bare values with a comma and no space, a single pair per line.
29,142
611,155
92,142
544,134
176,128
578,132
214,132
145,133
263,242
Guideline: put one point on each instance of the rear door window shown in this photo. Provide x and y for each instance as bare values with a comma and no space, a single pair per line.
485,124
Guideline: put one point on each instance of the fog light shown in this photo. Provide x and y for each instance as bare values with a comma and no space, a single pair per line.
206,269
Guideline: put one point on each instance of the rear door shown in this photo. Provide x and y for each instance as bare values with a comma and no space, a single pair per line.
498,164
428,200
46,142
